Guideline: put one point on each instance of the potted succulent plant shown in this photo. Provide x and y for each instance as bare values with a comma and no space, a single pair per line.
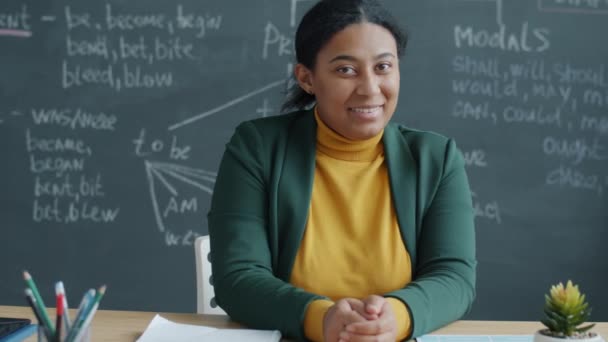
566,310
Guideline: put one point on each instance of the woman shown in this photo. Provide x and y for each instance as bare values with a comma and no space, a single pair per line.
332,223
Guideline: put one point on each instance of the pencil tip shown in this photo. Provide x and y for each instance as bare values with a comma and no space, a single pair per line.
26,275
102,289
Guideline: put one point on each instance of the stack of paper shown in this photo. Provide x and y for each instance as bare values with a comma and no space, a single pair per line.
162,330
475,338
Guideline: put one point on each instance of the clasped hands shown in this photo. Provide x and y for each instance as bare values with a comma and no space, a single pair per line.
356,320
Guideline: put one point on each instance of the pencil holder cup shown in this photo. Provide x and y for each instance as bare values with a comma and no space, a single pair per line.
85,337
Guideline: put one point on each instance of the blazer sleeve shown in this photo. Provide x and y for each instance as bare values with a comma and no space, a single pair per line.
443,287
244,282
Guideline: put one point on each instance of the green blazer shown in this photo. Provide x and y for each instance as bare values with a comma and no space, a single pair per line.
259,210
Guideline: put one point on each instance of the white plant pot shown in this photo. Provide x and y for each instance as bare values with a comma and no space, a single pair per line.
538,337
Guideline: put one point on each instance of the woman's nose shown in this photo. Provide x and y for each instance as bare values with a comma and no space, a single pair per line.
369,84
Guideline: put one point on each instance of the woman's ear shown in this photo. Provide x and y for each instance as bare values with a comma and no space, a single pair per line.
304,77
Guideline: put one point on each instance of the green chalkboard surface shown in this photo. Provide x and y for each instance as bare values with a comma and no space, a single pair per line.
114,116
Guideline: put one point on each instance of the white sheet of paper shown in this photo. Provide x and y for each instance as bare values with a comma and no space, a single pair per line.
161,329
475,338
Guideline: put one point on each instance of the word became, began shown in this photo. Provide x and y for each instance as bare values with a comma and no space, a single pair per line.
56,145
57,165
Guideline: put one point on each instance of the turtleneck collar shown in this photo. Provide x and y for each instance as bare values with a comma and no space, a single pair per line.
339,147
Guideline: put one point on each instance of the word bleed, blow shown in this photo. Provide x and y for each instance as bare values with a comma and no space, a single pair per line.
130,77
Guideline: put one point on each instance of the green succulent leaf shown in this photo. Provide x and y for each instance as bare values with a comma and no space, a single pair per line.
585,328
550,324
565,309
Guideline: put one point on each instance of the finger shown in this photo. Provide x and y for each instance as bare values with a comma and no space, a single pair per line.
373,304
375,327
343,305
353,317
387,310
349,337
359,306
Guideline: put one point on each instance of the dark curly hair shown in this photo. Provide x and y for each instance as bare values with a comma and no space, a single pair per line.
321,23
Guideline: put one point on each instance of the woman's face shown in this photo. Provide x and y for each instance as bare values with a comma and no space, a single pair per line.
356,80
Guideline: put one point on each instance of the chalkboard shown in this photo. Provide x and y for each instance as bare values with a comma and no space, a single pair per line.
114,116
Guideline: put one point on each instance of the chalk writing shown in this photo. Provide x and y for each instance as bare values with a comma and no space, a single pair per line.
16,23
137,49
274,38
64,191
77,146
66,187
574,178
576,150
186,239
176,206
581,75
476,158
488,67
524,39
594,123
595,98
175,150
172,177
503,79
486,210
74,118
496,89
574,6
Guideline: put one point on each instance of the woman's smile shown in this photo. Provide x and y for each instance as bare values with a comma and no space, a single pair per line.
368,113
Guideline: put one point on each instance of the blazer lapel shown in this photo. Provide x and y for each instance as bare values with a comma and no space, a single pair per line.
402,170
294,189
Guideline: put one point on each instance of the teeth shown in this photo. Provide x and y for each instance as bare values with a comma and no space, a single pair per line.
365,110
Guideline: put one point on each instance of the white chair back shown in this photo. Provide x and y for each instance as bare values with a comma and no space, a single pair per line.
205,295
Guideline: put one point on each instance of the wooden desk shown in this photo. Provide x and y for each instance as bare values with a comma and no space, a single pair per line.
127,326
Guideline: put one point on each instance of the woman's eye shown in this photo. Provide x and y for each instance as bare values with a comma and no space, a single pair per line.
383,66
346,70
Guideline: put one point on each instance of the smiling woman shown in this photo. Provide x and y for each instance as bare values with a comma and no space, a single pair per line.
330,222
355,80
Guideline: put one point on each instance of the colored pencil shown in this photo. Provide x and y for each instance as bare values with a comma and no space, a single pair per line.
43,314
29,296
82,328
66,316
59,318
85,303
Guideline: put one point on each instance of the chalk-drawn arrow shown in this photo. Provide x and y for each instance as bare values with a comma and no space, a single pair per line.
226,105
159,171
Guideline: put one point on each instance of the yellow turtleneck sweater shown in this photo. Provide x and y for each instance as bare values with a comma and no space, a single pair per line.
352,246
